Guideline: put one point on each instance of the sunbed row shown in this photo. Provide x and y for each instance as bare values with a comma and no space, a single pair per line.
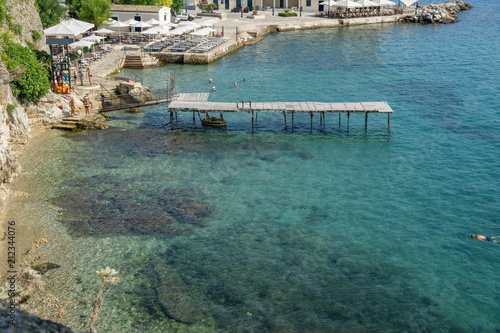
208,45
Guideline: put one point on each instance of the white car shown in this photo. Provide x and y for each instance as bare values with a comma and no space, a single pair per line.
183,17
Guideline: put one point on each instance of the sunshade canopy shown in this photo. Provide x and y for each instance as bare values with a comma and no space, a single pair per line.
63,29
367,3
330,3
153,21
103,31
385,2
203,32
79,24
93,39
142,25
409,2
80,44
348,4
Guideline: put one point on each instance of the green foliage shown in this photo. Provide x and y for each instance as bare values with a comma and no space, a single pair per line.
31,80
36,35
3,12
11,108
17,29
287,14
177,5
207,7
94,11
167,3
136,2
50,12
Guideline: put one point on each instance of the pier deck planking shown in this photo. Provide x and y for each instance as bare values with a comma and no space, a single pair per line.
185,105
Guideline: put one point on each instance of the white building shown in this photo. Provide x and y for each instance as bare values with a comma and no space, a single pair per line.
140,13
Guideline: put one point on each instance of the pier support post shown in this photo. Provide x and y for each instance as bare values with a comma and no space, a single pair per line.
171,120
324,121
252,121
194,121
348,115
293,115
366,120
389,122
256,116
311,114
284,116
339,119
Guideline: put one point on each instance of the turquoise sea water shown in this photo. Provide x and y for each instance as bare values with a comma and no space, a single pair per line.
293,231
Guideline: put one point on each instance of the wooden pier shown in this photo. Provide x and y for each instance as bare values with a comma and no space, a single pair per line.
199,103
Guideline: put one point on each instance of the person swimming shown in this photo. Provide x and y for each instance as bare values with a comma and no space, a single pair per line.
210,81
213,88
236,85
485,238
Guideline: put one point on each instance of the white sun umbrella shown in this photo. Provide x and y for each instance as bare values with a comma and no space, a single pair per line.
103,31
190,24
131,21
367,3
409,2
153,21
93,39
62,29
202,32
80,44
119,25
385,2
79,24
329,3
179,31
348,4
142,25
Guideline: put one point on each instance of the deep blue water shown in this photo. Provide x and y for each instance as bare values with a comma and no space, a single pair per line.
296,231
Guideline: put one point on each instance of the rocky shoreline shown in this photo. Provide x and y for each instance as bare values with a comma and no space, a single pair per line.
440,13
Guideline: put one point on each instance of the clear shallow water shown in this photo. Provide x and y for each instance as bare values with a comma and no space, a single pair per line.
281,231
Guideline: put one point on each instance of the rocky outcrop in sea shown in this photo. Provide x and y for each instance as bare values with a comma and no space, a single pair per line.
439,13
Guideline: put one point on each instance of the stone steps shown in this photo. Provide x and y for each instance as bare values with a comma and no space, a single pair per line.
65,127
139,61
67,124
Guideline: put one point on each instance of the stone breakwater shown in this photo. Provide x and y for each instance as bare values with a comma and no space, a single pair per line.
440,13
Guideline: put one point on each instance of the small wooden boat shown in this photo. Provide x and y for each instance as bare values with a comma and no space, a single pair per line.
214,121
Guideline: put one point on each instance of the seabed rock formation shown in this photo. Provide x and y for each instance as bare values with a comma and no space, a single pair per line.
26,322
440,13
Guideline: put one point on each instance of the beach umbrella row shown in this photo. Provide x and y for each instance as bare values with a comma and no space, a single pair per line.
361,3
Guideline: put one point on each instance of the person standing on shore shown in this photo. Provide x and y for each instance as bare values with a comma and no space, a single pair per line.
72,105
87,103
89,74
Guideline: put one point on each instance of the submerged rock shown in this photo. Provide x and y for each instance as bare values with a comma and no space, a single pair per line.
107,205
439,13
93,122
42,268
27,322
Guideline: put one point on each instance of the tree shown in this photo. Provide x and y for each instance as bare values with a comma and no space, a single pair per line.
167,3
177,5
50,12
94,11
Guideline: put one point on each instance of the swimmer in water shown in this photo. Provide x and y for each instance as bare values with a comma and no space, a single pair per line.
236,85
213,88
485,238
210,81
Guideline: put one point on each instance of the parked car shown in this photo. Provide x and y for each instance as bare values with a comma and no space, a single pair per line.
184,17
